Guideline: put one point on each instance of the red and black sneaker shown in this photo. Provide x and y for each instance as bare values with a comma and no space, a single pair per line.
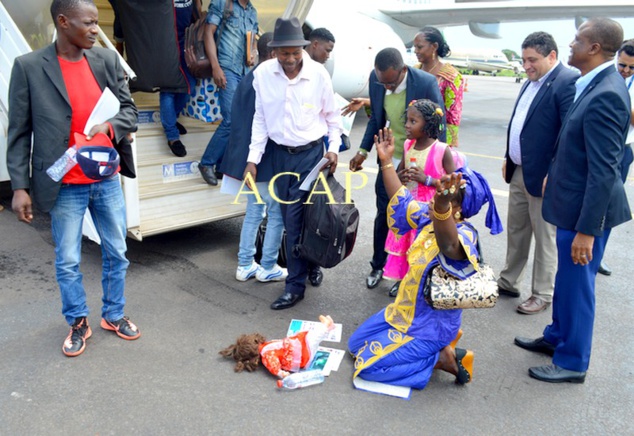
75,342
124,328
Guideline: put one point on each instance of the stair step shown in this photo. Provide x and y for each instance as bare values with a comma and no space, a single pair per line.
163,214
155,150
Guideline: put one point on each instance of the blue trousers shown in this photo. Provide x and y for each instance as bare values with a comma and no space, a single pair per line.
105,202
219,140
573,304
287,188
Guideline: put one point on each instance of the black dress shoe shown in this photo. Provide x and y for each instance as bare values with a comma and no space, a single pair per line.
181,129
508,292
394,289
315,276
177,147
556,374
208,173
374,278
604,269
539,345
286,300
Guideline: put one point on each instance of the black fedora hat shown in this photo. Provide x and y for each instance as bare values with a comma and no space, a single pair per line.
288,33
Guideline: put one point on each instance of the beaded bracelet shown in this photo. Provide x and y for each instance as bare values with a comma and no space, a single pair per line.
384,167
442,216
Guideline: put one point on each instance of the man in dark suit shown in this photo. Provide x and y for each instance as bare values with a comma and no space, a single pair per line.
584,198
51,95
541,107
393,85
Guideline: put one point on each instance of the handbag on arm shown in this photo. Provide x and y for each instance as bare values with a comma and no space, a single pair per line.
444,291
195,38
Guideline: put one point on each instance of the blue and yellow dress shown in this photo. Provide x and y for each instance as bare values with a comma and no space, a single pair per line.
400,344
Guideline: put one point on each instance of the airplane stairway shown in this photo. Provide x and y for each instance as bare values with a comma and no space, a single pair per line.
169,192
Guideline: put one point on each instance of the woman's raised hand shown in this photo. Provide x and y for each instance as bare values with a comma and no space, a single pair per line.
448,188
384,143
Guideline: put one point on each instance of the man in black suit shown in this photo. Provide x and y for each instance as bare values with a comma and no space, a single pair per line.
51,95
541,107
584,198
393,85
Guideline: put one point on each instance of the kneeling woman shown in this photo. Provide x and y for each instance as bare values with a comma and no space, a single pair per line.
403,343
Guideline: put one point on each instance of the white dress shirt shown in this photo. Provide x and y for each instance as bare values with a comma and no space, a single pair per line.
521,111
629,82
293,112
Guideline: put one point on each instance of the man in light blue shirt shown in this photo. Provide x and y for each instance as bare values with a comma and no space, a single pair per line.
539,112
228,57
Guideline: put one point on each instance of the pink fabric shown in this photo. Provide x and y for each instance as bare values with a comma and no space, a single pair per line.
396,266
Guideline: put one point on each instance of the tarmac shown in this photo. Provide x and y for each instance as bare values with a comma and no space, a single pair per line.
182,293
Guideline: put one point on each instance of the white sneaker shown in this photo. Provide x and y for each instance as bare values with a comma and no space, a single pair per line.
275,274
244,273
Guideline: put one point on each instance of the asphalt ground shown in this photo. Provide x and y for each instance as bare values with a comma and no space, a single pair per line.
182,293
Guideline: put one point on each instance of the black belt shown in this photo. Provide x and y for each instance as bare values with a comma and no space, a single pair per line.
299,149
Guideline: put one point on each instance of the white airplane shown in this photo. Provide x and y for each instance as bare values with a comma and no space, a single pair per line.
363,27
486,60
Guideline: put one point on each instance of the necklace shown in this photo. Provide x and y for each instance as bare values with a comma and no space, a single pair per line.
435,66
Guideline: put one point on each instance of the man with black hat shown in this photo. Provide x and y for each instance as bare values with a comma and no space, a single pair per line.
51,95
294,109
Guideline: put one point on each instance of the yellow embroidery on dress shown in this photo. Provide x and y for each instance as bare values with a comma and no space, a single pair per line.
378,350
391,208
412,214
400,314
470,250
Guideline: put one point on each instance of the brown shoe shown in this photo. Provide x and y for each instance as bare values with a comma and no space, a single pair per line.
532,306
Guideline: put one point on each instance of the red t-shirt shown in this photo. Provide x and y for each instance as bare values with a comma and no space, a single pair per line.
84,93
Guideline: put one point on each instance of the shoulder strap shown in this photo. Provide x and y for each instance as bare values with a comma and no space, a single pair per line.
226,14
478,247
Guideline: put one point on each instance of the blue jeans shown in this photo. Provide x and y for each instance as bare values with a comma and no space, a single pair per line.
274,228
171,105
219,140
105,202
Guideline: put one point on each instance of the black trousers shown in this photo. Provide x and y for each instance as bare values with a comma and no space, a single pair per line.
287,188
379,257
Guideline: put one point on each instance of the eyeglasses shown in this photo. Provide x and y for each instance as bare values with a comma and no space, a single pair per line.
392,84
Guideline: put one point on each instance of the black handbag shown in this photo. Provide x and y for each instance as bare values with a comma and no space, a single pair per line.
259,242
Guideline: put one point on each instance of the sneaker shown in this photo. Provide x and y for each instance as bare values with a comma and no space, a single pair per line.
275,274
75,342
244,273
124,328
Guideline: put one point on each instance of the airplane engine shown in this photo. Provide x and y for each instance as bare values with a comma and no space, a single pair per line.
358,38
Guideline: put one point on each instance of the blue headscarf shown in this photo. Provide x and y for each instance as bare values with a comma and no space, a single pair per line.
477,193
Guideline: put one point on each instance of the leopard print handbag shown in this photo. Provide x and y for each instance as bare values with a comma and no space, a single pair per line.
443,291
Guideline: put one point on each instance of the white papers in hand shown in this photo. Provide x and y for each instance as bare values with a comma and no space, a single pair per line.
312,176
107,107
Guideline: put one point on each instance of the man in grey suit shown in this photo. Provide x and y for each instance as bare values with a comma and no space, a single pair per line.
51,95
539,112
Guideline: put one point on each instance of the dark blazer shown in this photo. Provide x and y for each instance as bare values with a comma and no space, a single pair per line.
541,127
419,85
39,106
584,192
234,160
